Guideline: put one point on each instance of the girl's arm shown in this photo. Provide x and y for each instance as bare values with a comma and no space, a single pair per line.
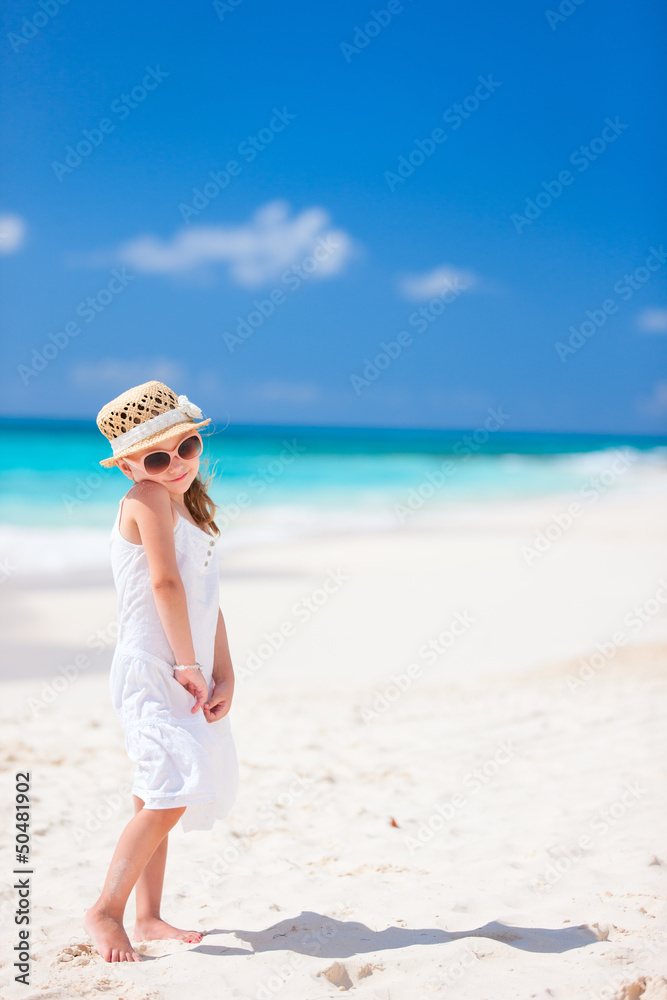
222,661
219,701
151,508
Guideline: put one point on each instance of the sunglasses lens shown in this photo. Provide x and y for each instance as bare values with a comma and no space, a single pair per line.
190,448
157,462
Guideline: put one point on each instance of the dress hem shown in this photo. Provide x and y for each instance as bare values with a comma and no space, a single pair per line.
171,801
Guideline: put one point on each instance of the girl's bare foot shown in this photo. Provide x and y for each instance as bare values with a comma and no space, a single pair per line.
154,927
109,936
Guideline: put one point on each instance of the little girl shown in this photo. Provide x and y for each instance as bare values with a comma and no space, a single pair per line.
171,677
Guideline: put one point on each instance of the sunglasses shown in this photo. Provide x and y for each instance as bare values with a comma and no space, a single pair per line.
159,461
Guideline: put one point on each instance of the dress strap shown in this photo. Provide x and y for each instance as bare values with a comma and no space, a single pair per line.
116,525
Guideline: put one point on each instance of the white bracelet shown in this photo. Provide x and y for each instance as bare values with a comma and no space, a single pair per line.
187,666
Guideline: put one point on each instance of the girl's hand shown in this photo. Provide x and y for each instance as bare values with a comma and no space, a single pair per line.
219,702
193,681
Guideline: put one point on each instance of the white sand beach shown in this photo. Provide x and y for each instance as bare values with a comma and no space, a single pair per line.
453,767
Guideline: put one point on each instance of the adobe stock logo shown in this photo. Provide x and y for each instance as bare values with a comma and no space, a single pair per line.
377,22
88,309
31,26
249,148
122,107
581,158
453,116
566,9
595,319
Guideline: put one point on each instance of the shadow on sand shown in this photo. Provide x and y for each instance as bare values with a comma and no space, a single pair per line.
313,934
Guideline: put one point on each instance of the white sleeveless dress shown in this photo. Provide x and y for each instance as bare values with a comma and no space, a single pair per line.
182,760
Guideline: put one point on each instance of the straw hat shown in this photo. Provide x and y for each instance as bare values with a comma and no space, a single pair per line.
144,416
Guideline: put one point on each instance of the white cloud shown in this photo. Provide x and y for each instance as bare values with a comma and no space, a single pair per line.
652,320
12,233
279,391
655,405
255,252
121,373
458,407
420,287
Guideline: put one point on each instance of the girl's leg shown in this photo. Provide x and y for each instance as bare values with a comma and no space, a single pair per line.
148,894
104,919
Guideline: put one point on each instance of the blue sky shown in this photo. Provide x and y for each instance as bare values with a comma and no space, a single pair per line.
421,211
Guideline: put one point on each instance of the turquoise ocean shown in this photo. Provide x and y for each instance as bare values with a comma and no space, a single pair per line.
57,503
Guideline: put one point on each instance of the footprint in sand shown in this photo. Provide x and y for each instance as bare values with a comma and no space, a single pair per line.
367,969
645,988
76,954
338,975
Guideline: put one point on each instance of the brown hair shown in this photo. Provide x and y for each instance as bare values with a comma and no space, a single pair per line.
199,503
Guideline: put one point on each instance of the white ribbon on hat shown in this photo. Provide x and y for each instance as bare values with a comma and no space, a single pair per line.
191,409
154,424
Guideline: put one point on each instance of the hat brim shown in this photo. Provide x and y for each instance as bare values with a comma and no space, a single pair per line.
173,431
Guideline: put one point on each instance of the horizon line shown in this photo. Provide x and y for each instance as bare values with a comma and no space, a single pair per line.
89,423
